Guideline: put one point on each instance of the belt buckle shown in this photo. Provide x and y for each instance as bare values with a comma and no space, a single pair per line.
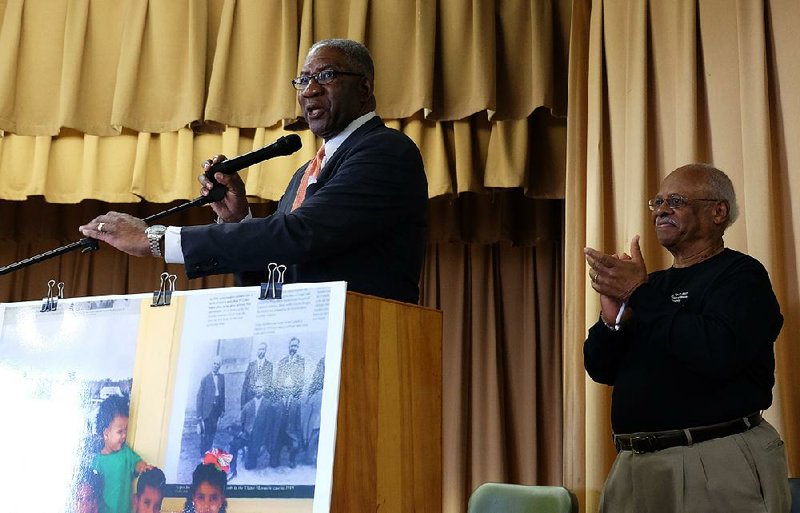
647,440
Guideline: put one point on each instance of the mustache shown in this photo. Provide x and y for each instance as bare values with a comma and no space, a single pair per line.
665,220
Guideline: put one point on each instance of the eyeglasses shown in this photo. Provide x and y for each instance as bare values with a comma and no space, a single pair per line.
674,201
323,77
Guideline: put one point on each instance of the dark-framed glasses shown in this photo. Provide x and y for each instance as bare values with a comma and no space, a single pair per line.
674,201
323,77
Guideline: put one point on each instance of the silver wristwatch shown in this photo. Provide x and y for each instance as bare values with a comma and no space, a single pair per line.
154,235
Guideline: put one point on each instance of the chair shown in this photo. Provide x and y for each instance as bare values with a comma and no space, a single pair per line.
512,498
794,487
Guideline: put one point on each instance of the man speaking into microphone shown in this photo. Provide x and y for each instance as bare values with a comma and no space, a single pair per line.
356,212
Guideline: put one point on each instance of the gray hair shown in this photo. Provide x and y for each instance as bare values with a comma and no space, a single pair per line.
721,188
357,54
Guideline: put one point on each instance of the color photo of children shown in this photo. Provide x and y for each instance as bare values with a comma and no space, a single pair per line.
56,368
116,462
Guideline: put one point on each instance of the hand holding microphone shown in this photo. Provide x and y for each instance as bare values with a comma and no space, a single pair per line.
224,192
223,186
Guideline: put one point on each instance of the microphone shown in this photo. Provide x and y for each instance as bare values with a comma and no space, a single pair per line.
285,145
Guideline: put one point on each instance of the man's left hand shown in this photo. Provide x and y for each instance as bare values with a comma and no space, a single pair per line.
617,277
123,231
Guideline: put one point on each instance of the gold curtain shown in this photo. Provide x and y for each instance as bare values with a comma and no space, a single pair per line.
654,85
494,267
155,66
97,98
502,363
472,154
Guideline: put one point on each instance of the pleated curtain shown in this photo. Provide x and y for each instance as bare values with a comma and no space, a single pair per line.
119,101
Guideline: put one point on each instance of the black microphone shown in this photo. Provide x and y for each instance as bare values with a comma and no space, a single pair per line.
285,145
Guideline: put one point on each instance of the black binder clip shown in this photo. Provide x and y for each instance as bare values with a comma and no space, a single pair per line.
273,288
50,303
163,296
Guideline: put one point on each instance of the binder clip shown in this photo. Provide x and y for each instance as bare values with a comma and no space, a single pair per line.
163,296
50,303
273,288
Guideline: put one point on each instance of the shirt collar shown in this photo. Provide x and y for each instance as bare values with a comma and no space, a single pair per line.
332,144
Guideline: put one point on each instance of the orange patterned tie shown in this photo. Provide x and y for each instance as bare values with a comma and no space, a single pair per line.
313,169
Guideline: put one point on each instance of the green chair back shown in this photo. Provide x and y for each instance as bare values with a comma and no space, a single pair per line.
512,498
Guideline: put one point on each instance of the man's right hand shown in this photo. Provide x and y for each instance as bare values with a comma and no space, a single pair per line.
617,276
233,207
609,306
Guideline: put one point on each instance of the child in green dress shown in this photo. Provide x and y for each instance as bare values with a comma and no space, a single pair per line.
116,462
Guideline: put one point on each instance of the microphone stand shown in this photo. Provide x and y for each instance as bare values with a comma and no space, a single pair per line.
88,244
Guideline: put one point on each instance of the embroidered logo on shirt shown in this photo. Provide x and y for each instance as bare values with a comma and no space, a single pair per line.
679,296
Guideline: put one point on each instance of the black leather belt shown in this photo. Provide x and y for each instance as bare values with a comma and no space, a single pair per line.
650,442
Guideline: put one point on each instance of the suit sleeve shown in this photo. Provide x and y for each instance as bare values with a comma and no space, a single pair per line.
246,385
200,397
222,391
379,184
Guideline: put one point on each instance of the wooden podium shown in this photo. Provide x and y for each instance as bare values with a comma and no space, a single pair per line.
389,426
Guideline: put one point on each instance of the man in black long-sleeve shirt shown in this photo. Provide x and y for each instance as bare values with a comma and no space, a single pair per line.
689,352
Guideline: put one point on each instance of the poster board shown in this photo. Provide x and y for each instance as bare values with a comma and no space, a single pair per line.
55,367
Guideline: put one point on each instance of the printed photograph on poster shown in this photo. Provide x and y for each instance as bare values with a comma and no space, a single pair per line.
56,370
250,384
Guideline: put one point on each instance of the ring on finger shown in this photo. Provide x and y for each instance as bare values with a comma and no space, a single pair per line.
100,227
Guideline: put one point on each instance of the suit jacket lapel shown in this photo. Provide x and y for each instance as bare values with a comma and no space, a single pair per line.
328,170
332,165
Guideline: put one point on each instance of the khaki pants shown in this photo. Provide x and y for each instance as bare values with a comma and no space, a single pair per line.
740,473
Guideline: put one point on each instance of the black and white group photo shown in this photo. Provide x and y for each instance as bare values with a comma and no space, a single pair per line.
258,399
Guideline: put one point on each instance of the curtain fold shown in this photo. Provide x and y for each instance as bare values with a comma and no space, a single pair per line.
58,61
502,353
161,75
256,55
147,66
121,101
404,80
470,155
784,82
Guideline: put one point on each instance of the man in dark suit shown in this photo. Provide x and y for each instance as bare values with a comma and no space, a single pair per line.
291,375
311,410
210,404
258,374
289,383
254,424
357,212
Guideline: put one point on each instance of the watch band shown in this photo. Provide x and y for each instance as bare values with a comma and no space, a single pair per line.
155,234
